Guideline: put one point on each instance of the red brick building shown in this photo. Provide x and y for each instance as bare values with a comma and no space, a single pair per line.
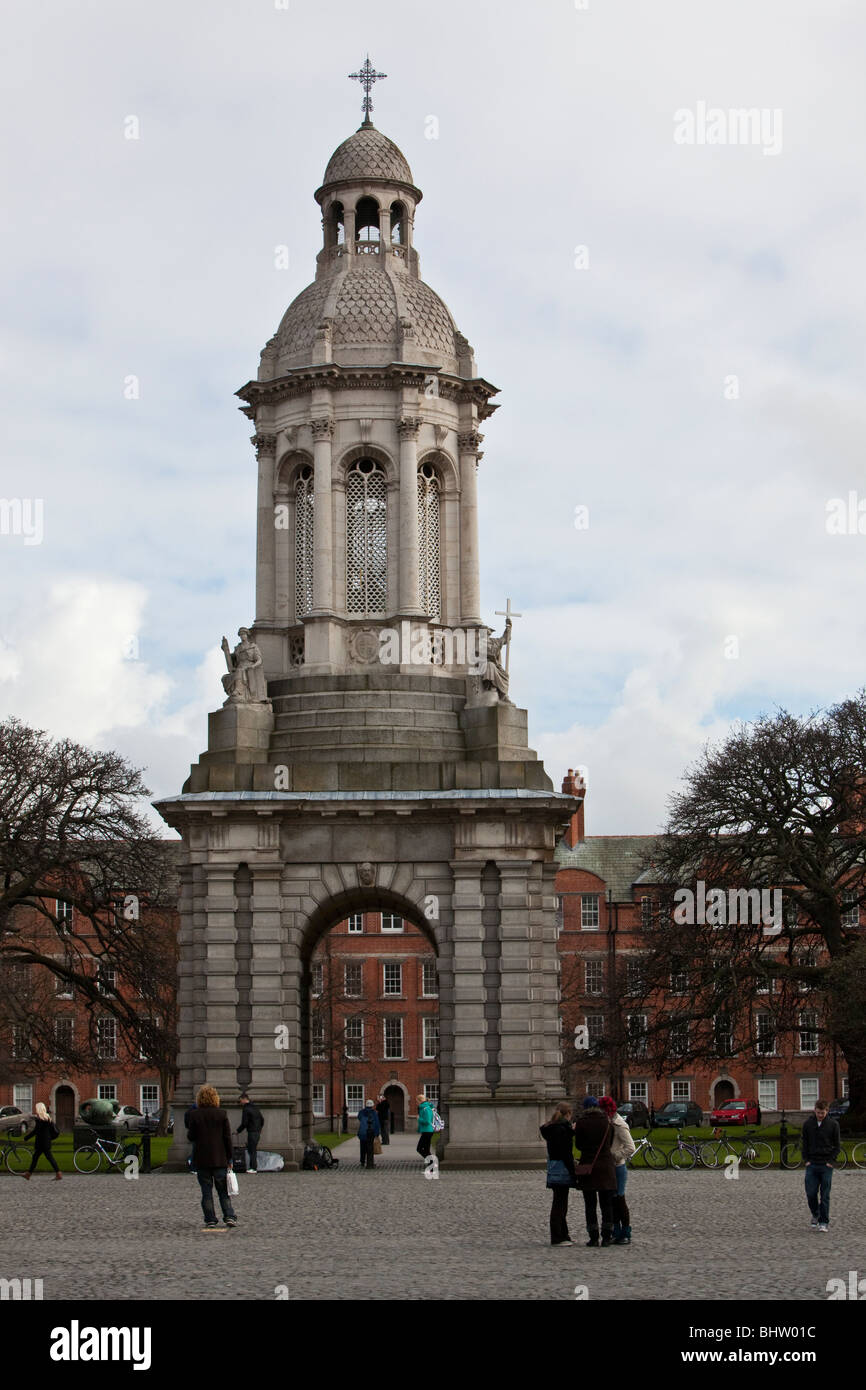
375,1018
607,904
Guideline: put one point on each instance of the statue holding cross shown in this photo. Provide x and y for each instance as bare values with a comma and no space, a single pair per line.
495,675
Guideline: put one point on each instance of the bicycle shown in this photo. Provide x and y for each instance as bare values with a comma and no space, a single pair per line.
686,1152
15,1157
652,1157
88,1159
792,1156
755,1153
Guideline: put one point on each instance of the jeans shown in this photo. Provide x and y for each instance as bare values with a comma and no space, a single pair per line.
621,1214
818,1179
207,1177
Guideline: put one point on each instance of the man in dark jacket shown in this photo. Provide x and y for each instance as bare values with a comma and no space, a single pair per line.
592,1135
383,1110
253,1121
820,1142
209,1130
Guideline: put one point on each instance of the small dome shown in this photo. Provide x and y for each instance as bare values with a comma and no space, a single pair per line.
368,154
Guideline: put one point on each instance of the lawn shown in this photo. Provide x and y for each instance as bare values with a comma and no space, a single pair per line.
159,1147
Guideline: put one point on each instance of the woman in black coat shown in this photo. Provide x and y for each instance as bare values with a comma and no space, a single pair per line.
559,1137
592,1135
45,1131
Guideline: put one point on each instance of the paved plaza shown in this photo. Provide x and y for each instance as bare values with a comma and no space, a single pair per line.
392,1234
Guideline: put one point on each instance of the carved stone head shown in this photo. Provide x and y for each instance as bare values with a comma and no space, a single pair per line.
366,875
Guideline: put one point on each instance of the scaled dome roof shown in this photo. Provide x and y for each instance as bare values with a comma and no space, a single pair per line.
367,154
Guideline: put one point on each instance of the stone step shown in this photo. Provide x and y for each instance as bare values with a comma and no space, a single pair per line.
440,720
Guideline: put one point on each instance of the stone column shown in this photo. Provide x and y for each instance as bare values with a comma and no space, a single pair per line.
385,227
220,994
470,596
266,447
323,589
524,1022
349,230
469,995
408,428
284,550
274,1027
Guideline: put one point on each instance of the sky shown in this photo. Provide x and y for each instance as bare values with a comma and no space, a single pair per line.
670,300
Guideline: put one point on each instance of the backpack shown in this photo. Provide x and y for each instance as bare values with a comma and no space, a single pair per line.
317,1156
437,1120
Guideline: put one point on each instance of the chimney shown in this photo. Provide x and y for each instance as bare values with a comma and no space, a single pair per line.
574,785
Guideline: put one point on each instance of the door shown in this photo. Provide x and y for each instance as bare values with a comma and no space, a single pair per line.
395,1098
64,1107
724,1091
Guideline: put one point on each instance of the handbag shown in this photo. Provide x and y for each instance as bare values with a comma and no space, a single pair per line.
231,1183
377,1146
583,1170
558,1174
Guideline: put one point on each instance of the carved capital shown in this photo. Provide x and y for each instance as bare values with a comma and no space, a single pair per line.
408,427
322,429
264,444
469,442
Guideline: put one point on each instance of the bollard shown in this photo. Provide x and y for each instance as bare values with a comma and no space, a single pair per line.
783,1138
145,1150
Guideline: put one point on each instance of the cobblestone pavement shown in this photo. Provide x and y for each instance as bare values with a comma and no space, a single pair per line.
396,1235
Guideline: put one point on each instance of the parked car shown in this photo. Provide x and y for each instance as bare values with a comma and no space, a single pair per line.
129,1117
736,1112
680,1112
635,1114
838,1108
13,1121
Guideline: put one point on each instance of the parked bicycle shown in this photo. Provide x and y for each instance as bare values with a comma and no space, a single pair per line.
686,1152
15,1157
753,1152
650,1155
792,1156
89,1158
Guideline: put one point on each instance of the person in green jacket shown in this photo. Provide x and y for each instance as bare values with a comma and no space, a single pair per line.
425,1125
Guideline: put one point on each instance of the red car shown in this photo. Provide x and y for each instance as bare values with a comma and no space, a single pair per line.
737,1112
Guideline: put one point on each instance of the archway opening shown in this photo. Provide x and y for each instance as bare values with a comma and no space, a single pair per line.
373,1018
723,1090
64,1108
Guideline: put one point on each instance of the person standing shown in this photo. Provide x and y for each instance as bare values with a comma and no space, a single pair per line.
558,1134
383,1110
253,1121
211,1133
622,1146
425,1126
190,1110
592,1135
45,1130
820,1141
368,1133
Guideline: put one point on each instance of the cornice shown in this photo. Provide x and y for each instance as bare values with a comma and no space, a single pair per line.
300,381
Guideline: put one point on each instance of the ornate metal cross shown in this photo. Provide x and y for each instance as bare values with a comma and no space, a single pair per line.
509,614
367,76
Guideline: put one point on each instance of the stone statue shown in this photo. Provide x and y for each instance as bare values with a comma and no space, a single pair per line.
495,676
245,682
366,874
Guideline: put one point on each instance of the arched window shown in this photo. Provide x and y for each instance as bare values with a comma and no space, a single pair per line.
337,229
398,224
304,542
429,587
366,538
367,220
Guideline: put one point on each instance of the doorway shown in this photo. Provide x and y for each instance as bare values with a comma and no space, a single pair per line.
64,1108
724,1090
395,1097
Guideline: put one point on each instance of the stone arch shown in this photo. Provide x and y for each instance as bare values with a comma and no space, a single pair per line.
288,466
351,455
59,1086
446,469
729,1090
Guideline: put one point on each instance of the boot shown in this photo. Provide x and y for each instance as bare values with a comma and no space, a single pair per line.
592,1232
606,1235
58,1175
624,1238
27,1175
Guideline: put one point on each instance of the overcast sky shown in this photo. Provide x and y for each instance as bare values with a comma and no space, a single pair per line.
697,385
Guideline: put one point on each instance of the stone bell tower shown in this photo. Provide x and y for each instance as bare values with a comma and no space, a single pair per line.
367,755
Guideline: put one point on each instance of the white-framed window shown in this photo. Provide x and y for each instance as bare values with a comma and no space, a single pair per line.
767,985
392,977
353,979
809,1092
318,1039
106,1038
809,959
366,538
304,503
20,1042
429,588
430,1037
636,1025
318,1099
431,1092
681,1090
765,1035
679,980
317,981
595,1028
63,1035
560,916
63,988
393,1036
634,975
22,1096
767,1093
648,912
724,1035
354,1037
589,912
850,908
595,1088
791,912
64,915
429,981
391,921
106,1090
679,1039
354,1096
106,978
808,1032
150,1028
594,976
148,1098
638,1090
355,923
846,1088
